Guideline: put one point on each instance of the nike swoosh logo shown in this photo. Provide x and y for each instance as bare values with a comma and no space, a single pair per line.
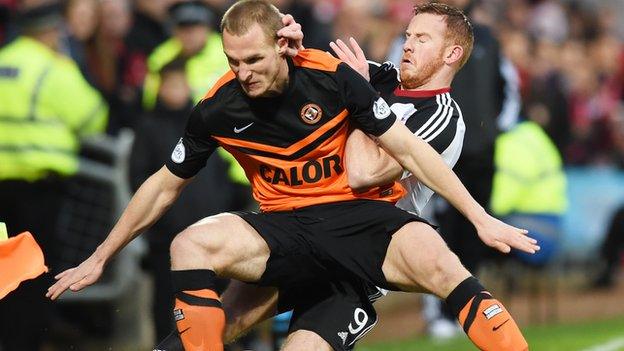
238,130
500,325
182,332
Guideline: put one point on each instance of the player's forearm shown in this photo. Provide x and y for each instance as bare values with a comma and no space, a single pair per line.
147,205
428,167
367,164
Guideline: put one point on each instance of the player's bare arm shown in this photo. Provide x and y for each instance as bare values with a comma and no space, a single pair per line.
367,164
147,205
426,164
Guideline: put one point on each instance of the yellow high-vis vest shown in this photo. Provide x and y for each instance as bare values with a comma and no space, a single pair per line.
202,70
529,175
46,105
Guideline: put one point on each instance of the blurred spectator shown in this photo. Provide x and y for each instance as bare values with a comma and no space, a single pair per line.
148,27
529,189
46,107
110,63
81,22
148,30
317,28
364,20
548,21
194,40
156,132
611,251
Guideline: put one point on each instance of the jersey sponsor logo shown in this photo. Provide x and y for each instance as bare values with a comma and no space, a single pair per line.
311,113
238,130
492,311
311,172
179,152
381,109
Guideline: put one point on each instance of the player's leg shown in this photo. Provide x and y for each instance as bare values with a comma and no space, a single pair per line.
305,340
329,315
223,245
245,306
417,258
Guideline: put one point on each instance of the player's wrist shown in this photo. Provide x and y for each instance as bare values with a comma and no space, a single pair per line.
478,216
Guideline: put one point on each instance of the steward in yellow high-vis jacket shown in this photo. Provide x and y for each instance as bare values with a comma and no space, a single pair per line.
529,188
46,107
194,41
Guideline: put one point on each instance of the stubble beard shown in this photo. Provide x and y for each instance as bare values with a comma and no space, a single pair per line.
414,79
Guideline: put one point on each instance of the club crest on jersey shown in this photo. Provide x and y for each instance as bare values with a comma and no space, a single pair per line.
311,113
381,109
179,153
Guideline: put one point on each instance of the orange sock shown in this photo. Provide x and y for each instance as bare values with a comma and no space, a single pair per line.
199,317
200,320
484,319
490,326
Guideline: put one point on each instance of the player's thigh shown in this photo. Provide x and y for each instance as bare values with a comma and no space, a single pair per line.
419,260
305,340
224,243
246,305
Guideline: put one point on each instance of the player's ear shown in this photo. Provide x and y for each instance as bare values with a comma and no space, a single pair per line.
282,44
454,53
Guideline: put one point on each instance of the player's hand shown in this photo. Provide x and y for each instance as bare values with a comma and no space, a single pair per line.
353,56
503,237
293,33
77,278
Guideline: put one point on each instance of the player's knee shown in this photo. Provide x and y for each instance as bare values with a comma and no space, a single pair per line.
445,272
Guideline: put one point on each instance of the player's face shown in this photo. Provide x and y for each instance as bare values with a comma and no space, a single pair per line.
423,51
256,62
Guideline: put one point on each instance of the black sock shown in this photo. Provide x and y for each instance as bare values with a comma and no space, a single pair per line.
461,295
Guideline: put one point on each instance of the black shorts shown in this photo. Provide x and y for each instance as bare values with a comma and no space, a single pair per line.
328,242
340,312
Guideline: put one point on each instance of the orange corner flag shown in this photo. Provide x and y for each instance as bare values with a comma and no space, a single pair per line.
20,259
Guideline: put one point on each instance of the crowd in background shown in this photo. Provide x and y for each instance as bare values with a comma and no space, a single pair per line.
567,56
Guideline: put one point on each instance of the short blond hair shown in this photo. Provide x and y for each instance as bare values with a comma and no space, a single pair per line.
458,27
241,16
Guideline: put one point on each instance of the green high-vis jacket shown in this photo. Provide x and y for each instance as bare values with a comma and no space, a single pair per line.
202,70
529,175
46,106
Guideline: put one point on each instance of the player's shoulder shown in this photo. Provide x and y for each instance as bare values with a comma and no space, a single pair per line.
316,60
383,68
225,94
225,83
432,111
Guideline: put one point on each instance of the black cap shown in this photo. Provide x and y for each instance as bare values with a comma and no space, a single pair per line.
40,16
190,12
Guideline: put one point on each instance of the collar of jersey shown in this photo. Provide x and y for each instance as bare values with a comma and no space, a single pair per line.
420,93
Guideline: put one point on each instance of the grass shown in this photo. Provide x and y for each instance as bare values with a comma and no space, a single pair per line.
560,337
